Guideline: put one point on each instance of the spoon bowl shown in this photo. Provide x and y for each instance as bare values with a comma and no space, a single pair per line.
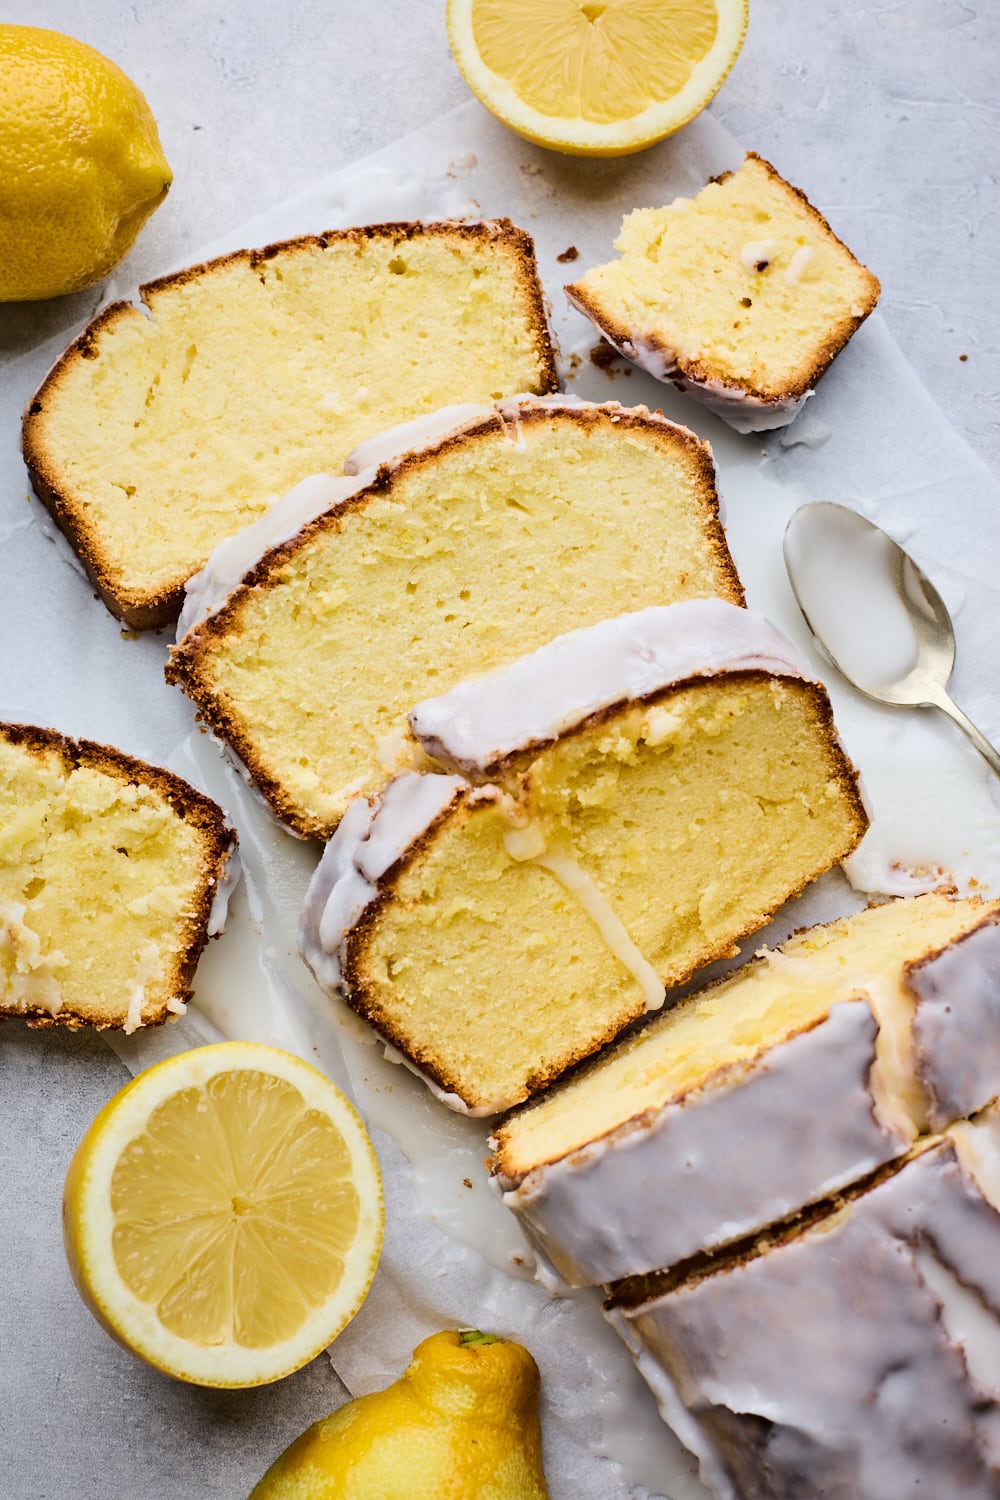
874,614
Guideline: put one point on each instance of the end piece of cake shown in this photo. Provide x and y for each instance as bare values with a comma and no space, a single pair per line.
169,426
113,874
800,1073
741,296
313,634
634,798
851,1355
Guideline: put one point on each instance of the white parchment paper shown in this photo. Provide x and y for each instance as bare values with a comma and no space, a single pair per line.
871,437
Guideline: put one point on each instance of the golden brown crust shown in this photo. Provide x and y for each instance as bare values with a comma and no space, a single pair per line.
217,845
187,667
700,372
146,610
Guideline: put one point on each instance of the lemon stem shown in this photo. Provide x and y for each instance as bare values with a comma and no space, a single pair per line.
472,1336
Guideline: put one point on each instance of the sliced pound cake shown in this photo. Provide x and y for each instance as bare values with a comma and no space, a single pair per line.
113,874
741,296
633,799
529,519
800,1073
169,426
850,1356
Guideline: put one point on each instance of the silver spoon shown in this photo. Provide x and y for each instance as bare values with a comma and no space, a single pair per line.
827,548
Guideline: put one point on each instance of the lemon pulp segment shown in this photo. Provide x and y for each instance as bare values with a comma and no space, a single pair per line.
233,1210
600,62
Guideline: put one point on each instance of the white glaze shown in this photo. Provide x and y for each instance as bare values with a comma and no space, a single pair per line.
543,695
828,1363
740,410
226,882
956,1024
755,1145
207,591
427,431
845,575
573,878
370,839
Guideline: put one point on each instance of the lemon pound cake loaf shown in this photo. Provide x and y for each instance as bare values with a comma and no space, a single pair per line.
801,1073
172,425
853,1355
527,519
628,802
113,874
741,296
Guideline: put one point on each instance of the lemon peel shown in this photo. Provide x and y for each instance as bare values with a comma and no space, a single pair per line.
81,165
596,77
461,1421
223,1214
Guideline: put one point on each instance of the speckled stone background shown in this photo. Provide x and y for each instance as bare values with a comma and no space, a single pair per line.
885,113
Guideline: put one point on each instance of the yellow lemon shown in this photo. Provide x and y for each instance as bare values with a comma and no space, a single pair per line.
81,168
223,1214
461,1422
596,77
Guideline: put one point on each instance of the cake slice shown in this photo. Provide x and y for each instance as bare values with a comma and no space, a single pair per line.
850,1356
741,296
113,874
800,1073
171,425
625,805
310,637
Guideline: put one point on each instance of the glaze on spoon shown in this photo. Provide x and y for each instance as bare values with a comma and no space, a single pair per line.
874,614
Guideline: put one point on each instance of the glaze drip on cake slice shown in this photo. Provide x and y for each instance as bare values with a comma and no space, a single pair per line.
601,844
169,426
113,874
312,637
798,1074
741,296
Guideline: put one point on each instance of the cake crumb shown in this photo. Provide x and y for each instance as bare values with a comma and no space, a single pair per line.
608,359
572,253
467,1182
962,357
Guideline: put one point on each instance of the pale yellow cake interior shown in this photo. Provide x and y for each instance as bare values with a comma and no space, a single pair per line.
192,420
692,821
99,880
475,557
789,990
742,280
488,970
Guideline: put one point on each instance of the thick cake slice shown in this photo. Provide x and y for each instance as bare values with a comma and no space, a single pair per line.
634,798
851,1357
169,426
741,296
113,874
354,599
800,1073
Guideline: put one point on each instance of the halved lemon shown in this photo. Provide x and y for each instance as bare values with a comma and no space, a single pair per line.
223,1214
596,77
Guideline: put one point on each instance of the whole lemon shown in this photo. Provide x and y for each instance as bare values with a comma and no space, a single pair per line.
81,166
461,1423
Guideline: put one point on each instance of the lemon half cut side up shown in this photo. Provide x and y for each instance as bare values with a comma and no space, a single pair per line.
596,77
223,1215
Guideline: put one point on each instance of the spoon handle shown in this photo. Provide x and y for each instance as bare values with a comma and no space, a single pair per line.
989,752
